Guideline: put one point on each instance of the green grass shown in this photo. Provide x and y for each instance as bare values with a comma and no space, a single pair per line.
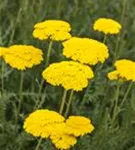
17,18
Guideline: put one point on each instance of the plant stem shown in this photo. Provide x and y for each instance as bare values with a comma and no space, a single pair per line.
126,94
123,11
105,37
120,35
69,103
48,53
85,94
115,110
63,101
37,106
2,76
46,64
20,91
38,144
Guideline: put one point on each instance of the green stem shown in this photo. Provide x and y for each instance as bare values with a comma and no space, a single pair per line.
126,94
69,103
85,93
38,144
120,35
48,53
20,91
63,101
38,105
123,11
105,37
46,64
2,76
115,110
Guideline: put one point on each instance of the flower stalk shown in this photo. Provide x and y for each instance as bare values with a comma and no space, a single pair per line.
63,102
69,103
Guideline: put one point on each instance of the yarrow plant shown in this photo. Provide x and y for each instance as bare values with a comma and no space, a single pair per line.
73,75
44,123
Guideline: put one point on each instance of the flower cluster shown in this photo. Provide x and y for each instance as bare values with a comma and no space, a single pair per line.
85,50
108,26
38,122
125,70
22,56
50,124
56,30
2,50
78,126
69,74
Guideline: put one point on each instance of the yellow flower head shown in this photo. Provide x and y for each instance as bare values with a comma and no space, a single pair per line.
40,123
2,50
22,56
78,126
85,50
68,74
108,26
60,139
125,70
56,30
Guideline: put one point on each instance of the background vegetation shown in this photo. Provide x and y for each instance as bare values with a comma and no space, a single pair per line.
17,18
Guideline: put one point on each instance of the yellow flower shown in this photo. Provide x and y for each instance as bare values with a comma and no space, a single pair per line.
85,50
113,75
56,30
22,56
60,139
106,25
68,74
2,50
125,70
78,126
39,123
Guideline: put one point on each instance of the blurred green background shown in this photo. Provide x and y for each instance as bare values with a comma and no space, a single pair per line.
17,19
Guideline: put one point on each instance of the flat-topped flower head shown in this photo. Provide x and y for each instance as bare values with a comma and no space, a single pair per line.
125,70
85,50
60,138
56,30
107,26
22,56
78,126
39,123
68,74
2,50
